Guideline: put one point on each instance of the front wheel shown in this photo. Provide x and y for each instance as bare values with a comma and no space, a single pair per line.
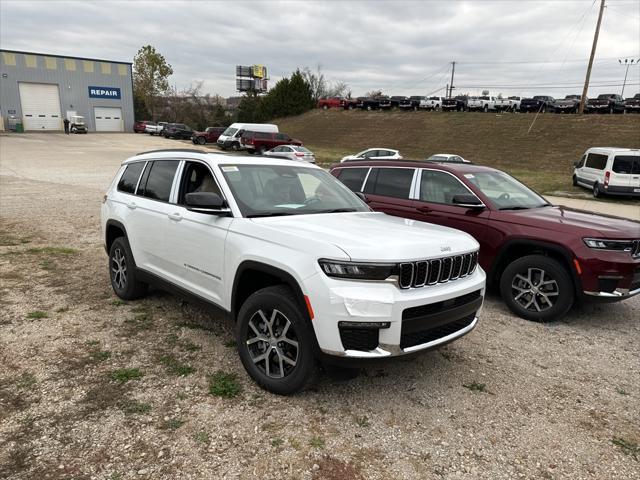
485,108
275,341
261,150
202,140
235,147
537,288
574,181
122,272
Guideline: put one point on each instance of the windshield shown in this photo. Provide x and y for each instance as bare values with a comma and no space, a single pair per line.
273,190
538,97
505,192
604,96
230,132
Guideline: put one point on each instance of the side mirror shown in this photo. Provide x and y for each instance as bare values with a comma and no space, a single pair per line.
468,200
206,202
363,197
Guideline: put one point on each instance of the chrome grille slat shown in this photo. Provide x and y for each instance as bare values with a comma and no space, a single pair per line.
635,249
435,266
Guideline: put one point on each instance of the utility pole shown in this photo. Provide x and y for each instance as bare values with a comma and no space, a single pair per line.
453,70
583,100
627,64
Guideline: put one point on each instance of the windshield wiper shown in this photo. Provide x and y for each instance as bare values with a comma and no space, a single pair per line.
270,214
515,208
337,210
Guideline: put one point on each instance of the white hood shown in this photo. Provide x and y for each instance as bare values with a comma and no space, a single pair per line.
371,236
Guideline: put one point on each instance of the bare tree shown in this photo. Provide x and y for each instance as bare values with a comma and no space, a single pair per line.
321,87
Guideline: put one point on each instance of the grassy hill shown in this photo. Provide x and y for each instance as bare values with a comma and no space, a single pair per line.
541,154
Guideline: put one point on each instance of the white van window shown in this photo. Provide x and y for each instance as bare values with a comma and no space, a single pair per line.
626,164
229,132
597,161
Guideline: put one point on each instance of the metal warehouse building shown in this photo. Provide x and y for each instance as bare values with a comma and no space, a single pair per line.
40,90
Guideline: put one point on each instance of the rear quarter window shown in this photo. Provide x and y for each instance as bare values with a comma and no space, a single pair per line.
353,177
626,164
129,179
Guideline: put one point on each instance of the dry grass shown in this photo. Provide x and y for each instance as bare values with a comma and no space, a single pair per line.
542,157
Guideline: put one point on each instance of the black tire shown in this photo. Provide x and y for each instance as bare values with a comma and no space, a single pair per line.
543,109
350,107
574,181
295,378
235,146
485,109
325,107
261,150
201,140
522,277
123,280
597,193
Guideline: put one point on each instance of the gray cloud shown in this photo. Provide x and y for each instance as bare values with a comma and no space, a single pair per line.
511,47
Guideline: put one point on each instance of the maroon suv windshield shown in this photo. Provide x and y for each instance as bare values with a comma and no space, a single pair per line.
504,191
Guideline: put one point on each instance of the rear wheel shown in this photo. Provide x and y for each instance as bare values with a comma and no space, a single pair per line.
325,107
122,271
537,288
597,193
275,341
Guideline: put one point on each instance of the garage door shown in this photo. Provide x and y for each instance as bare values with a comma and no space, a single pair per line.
40,106
108,119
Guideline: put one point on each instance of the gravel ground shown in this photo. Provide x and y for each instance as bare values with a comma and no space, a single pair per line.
91,387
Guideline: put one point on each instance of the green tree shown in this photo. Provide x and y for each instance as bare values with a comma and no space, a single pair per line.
150,78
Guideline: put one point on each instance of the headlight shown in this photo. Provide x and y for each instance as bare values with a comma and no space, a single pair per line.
604,244
361,271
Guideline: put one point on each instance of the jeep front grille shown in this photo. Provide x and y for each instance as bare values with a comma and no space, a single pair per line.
440,270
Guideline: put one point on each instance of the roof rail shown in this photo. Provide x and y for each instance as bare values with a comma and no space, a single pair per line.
189,150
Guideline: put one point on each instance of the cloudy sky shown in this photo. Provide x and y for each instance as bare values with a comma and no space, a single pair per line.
516,47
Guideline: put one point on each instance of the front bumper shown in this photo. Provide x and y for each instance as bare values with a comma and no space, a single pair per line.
374,320
608,275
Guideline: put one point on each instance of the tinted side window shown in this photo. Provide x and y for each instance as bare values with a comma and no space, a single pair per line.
160,179
129,179
392,182
281,136
440,187
636,166
624,164
597,161
353,177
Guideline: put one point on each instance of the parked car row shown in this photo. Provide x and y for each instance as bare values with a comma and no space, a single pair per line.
310,271
605,103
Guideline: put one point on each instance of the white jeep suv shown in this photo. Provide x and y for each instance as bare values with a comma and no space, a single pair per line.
301,264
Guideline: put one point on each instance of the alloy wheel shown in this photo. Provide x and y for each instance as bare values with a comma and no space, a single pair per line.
119,269
536,292
272,343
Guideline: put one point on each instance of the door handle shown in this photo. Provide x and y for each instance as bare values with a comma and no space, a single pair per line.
132,205
175,216
424,209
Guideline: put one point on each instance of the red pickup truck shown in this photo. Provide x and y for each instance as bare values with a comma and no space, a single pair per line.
262,141
331,102
210,135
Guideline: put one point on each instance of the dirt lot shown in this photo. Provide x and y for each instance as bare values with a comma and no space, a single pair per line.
91,387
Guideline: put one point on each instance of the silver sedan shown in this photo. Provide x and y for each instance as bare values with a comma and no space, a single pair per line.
293,152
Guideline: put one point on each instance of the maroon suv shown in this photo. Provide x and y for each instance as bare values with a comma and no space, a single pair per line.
140,125
260,142
542,257
210,135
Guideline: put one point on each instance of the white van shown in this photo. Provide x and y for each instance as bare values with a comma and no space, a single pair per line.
230,138
610,171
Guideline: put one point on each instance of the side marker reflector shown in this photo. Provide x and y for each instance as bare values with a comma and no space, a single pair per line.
577,264
309,309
